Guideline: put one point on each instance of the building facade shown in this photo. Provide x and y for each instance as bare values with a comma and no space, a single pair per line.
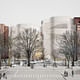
4,30
76,21
52,28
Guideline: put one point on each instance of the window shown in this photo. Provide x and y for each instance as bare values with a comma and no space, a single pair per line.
79,22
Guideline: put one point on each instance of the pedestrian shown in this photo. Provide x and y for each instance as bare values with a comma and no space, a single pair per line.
0,76
72,73
4,75
65,73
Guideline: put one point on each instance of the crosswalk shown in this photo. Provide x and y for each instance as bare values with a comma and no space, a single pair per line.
23,73
40,73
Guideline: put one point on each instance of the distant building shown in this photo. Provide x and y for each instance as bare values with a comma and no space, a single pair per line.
15,30
52,28
4,30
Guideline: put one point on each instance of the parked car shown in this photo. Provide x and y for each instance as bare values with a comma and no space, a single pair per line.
48,62
33,62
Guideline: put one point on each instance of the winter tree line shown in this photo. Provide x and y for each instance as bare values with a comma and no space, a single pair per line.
29,41
67,46
26,42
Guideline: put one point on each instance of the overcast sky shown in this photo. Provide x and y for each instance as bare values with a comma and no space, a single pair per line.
33,11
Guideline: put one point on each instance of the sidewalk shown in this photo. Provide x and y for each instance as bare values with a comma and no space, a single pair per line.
76,75
3,70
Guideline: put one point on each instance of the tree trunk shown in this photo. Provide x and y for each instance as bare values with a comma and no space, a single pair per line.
68,63
0,64
55,62
73,61
28,60
0,61
28,56
65,62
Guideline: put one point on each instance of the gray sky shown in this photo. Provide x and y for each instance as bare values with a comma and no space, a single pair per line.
33,11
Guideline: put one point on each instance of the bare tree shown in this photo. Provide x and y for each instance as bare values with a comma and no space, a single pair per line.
67,46
28,42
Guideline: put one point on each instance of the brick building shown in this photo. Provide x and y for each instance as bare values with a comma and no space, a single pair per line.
76,21
4,41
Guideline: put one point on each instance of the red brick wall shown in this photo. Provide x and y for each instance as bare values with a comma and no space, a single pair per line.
77,23
76,20
4,30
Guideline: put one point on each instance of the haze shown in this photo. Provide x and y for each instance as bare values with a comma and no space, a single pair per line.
13,12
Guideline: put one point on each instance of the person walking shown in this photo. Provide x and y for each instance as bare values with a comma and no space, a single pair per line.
0,76
72,73
4,76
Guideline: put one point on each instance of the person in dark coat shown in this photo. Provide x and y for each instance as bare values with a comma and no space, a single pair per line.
4,75
72,73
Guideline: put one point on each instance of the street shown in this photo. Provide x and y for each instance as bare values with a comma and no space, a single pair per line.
39,73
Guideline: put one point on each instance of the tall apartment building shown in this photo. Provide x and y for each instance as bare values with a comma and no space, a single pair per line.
52,28
4,39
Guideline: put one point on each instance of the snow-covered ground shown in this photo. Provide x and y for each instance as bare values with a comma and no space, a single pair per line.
42,73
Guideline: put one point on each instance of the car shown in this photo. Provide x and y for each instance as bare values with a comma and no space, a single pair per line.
14,65
48,62
33,62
